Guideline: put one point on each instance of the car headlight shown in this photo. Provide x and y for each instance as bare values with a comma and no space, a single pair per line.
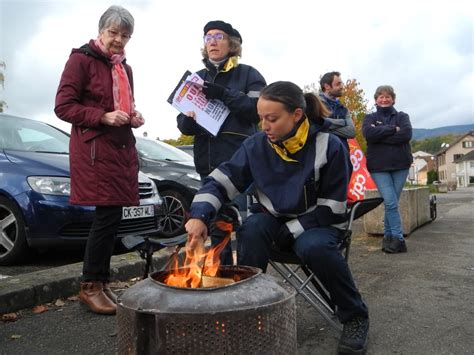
194,176
50,185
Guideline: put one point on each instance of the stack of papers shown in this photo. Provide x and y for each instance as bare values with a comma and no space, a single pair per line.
188,96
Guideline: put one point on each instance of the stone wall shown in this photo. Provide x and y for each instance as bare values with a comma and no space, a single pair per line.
414,211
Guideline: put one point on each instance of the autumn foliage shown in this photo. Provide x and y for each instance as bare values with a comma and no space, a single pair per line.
182,140
353,98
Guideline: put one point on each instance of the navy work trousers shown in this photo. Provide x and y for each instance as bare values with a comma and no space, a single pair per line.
317,248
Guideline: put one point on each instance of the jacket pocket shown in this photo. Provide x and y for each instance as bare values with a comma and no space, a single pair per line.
88,134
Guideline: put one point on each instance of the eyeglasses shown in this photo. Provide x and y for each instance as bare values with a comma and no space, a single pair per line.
217,36
114,34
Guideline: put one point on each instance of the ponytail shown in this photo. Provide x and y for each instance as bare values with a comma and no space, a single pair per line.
315,109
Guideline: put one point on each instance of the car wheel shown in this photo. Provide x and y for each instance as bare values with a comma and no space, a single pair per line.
175,207
13,246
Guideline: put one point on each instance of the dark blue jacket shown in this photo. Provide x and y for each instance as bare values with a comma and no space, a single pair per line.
387,149
308,193
243,84
340,119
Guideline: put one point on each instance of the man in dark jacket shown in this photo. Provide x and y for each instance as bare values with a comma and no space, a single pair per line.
237,86
340,119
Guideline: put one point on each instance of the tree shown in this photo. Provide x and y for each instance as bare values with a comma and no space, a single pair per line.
432,144
432,176
354,99
182,140
3,104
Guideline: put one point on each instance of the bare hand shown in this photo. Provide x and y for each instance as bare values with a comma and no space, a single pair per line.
116,118
137,120
197,232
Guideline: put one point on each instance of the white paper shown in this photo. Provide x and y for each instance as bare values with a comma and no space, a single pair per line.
210,114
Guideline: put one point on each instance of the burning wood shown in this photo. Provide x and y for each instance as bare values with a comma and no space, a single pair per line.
214,281
201,266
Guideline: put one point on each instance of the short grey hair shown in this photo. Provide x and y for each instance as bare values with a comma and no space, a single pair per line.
117,15
386,89
235,48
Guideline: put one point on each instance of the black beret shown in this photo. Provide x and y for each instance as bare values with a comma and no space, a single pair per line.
223,26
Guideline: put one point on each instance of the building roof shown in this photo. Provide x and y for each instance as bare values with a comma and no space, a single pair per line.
446,148
419,163
421,153
466,157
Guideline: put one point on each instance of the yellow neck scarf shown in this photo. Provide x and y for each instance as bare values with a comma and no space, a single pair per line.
294,143
232,62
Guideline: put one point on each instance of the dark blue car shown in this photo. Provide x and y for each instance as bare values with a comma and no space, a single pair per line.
34,193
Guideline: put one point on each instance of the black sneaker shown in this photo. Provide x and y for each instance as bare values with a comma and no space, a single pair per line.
354,336
396,246
386,242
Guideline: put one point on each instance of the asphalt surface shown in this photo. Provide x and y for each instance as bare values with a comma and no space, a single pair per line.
420,302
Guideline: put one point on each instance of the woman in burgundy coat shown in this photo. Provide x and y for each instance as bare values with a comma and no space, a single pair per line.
95,96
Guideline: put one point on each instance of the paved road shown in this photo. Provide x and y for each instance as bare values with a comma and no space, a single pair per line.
421,302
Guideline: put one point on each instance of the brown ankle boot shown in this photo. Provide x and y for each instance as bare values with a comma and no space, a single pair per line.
92,294
109,293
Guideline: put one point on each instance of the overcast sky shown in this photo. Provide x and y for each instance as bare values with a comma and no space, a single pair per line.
424,49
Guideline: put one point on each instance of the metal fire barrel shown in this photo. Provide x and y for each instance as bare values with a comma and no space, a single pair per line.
256,315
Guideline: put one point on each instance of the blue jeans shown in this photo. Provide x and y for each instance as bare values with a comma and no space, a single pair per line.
390,185
317,248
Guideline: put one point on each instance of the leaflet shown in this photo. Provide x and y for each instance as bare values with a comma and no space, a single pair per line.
188,96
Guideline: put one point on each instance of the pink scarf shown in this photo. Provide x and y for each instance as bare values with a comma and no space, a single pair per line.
123,98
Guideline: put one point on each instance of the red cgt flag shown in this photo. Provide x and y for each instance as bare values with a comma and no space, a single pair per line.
360,179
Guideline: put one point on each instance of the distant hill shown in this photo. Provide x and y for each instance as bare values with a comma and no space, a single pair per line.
422,133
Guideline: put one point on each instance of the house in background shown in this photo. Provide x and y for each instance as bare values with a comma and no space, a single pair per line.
446,157
465,170
422,163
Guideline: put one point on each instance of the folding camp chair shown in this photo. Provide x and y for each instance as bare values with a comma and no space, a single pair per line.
146,246
298,275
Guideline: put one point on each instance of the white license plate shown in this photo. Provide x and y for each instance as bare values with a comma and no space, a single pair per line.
138,212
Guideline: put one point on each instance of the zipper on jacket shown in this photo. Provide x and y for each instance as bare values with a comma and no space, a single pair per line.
234,133
305,199
93,152
208,156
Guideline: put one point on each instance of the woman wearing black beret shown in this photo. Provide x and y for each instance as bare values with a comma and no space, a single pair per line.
238,87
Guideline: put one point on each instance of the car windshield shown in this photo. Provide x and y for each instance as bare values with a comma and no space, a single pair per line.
157,150
29,135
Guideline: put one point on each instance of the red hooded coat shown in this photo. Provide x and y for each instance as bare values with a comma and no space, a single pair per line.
103,159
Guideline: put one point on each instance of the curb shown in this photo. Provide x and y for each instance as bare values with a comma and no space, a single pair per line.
39,287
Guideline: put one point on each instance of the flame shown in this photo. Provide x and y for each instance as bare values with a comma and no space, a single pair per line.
198,262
